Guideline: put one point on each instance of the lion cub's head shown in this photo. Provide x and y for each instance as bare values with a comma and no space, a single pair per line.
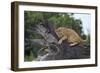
59,31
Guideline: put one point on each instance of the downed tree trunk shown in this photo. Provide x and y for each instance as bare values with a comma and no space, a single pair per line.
66,52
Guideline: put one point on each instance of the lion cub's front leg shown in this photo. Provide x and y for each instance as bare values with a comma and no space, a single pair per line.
62,39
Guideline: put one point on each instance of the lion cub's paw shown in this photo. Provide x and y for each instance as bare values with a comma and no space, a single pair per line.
73,44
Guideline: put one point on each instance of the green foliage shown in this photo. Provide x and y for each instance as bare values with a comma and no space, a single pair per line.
57,19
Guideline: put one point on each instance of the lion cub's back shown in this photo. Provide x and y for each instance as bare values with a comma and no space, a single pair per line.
72,35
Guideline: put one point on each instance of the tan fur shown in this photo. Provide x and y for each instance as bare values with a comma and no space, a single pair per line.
68,34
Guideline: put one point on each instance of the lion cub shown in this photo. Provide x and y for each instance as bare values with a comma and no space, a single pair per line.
70,35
